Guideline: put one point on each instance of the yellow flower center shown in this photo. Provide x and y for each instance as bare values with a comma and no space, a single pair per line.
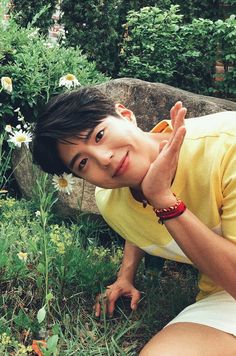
23,255
8,80
21,138
62,182
70,77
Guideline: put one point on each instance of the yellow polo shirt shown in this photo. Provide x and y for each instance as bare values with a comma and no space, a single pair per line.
205,180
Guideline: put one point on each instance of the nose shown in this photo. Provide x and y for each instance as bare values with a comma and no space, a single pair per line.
103,156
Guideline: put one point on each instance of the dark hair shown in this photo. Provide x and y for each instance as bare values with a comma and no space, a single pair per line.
66,116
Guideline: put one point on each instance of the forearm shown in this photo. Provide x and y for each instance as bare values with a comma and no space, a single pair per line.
209,252
130,263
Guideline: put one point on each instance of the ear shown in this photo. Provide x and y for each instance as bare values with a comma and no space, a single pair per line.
125,113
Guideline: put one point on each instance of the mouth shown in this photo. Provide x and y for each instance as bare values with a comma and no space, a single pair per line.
122,166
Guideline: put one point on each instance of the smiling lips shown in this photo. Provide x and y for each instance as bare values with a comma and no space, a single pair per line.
122,166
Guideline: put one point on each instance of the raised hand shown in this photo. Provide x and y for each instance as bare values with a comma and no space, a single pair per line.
157,182
107,301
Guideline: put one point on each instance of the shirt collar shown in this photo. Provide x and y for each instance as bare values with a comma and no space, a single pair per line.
163,126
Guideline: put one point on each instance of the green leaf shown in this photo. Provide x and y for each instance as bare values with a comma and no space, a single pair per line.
52,342
41,268
41,315
49,297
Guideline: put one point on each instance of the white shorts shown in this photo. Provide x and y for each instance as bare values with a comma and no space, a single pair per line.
217,310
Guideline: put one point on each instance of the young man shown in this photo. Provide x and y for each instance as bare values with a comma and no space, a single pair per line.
185,174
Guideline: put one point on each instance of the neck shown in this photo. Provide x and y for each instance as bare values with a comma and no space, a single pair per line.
137,194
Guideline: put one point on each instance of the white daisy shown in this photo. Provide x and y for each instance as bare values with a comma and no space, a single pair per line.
20,137
63,183
37,213
69,81
6,84
8,128
23,256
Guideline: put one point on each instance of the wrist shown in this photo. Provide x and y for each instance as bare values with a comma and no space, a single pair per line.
125,277
163,200
170,212
127,273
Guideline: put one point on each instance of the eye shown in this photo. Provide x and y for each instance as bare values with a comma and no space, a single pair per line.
82,163
99,135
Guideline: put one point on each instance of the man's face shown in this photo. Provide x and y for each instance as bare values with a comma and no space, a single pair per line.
116,154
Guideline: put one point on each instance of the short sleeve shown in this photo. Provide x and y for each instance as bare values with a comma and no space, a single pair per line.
228,217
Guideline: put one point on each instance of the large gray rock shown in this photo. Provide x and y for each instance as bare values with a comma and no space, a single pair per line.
26,174
150,102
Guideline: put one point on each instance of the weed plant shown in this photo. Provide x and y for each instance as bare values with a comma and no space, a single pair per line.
50,276
5,162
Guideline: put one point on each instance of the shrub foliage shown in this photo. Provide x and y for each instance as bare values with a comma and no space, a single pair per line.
35,67
26,12
186,47
159,47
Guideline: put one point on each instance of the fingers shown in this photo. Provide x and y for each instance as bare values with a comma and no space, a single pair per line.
177,140
177,114
97,307
106,302
172,147
135,299
112,303
174,110
178,121
162,145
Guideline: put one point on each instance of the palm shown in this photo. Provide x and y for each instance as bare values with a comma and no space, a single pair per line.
162,171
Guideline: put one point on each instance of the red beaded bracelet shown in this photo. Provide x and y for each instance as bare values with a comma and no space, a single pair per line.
170,212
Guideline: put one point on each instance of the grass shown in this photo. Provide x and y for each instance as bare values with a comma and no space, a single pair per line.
66,266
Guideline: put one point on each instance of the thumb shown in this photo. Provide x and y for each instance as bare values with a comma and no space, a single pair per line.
135,299
162,145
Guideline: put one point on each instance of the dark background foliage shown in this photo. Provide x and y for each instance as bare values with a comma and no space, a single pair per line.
24,12
99,28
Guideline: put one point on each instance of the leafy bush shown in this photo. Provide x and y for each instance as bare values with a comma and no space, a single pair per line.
151,44
97,26
225,37
35,67
195,62
25,12
209,9
159,47
94,26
